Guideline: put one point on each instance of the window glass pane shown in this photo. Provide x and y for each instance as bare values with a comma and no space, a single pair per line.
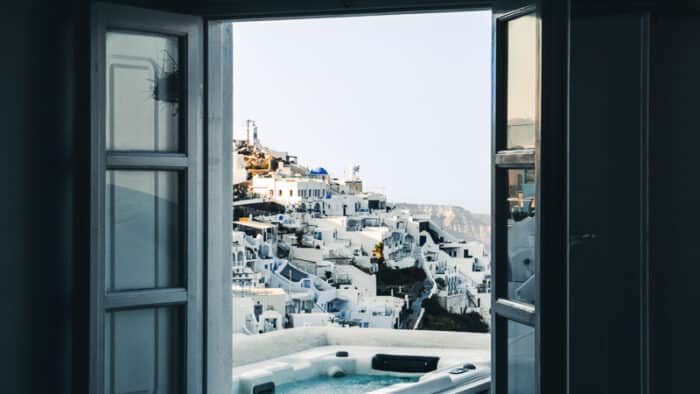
521,359
142,227
143,351
521,235
142,92
523,82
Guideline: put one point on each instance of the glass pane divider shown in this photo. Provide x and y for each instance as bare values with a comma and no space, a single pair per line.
144,298
146,161
516,311
521,158
516,13
524,166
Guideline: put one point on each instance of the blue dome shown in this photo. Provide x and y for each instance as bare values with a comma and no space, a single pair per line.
318,171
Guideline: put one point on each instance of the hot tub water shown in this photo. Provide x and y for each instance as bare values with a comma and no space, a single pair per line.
351,384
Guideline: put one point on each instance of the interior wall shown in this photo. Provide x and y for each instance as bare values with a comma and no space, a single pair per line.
44,188
45,197
16,250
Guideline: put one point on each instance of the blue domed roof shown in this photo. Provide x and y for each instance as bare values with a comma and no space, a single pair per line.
318,171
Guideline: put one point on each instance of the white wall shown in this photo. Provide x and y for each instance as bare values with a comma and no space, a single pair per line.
311,319
454,303
242,309
270,187
366,238
334,205
366,284
372,310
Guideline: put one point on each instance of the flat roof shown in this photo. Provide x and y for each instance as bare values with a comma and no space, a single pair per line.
248,202
258,290
453,245
255,225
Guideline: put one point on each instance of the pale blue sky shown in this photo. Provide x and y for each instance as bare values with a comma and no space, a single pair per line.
407,97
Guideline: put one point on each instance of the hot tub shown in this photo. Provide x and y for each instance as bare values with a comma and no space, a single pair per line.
362,369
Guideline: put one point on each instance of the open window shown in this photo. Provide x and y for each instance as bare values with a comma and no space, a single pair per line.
161,213
147,212
515,197
528,193
375,182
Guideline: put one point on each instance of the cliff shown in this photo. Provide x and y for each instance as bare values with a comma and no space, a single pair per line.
455,220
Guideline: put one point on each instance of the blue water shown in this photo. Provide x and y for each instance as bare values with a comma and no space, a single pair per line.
351,384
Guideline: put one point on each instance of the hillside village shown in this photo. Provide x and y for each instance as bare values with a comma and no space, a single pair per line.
310,249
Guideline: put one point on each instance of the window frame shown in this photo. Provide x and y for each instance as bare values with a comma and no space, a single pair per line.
504,309
217,119
218,126
548,316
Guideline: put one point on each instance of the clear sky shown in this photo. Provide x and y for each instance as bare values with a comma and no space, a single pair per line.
405,97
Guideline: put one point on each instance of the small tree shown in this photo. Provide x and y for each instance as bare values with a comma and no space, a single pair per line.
378,252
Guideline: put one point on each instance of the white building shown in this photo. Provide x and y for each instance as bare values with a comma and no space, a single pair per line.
249,268
345,204
291,191
377,312
320,254
258,310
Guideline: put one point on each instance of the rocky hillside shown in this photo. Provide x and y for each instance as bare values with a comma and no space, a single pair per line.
455,220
